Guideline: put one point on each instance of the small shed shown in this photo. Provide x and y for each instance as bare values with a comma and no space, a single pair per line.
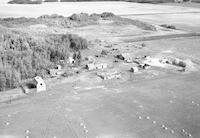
125,56
134,69
35,85
40,86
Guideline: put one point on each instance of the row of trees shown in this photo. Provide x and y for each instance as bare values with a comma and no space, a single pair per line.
40,1
25,2
140,1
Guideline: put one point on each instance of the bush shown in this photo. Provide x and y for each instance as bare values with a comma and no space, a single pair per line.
107,14
79,17
2,81
75,20
18,22
9,77
53,20
77,43
50,16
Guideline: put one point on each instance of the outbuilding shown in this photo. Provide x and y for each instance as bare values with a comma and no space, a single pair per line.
35,85
134,69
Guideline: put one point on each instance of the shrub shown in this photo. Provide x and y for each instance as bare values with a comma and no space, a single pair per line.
9,77
75,20
77,43
16,22
107,14
79,17
50,16
2,81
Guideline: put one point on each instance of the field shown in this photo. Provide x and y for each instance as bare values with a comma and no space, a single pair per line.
161,101
67,9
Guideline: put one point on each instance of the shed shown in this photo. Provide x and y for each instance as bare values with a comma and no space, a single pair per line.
35,85
40,86
125,56
134,69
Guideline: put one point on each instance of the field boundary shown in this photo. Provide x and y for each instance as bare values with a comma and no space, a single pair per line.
159,37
